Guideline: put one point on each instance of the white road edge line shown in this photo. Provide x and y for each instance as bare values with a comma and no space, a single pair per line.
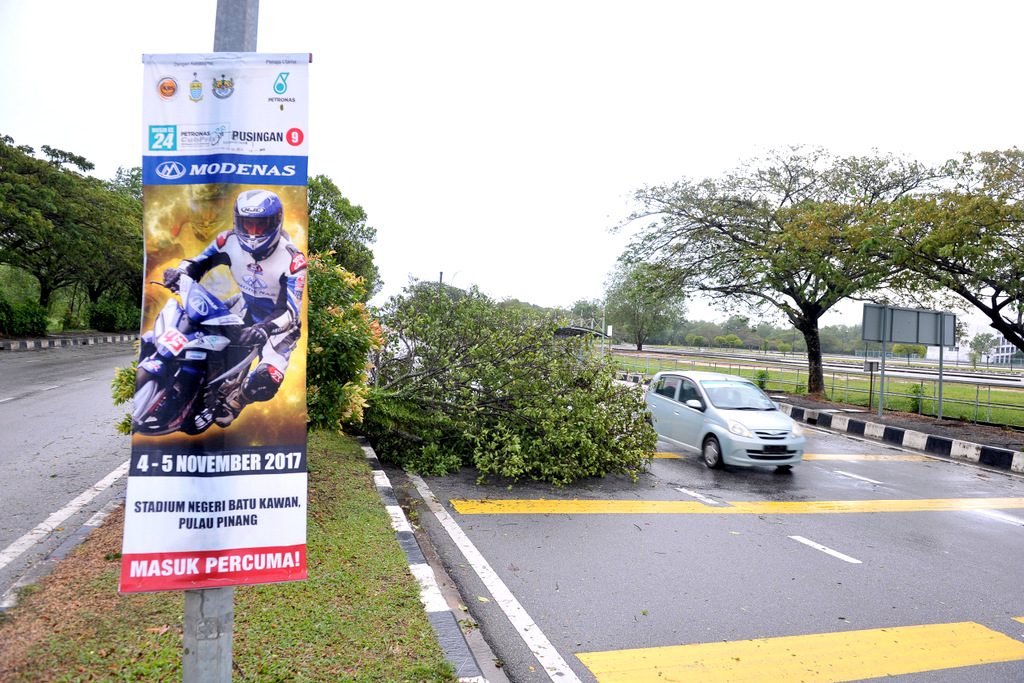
5,400
55,386
701,498
10,598
826,550
540,646
1001,516
857,476
15,549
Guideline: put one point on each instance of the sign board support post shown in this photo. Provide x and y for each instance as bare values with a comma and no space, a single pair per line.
942,341
208,636
881,373
208,639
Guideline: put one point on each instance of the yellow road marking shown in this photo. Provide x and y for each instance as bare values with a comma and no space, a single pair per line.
665,454
1020,619
686,507
815,658
858,456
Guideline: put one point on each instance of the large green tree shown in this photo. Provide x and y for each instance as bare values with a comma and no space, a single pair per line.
640,302
338,229
966,235
790,232
65,227
462,380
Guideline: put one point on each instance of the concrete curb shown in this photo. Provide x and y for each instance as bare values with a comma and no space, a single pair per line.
441,616
1000,458
63,342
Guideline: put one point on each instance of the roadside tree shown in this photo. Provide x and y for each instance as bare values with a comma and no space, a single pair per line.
968,237
791,232
338,229
64,227
640,302
982,345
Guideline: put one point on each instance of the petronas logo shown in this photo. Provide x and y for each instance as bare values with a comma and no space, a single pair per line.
281,83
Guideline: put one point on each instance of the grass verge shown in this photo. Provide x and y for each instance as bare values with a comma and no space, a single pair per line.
357,618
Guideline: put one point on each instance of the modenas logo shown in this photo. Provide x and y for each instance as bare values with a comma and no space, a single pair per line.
170,170
173,170
225,168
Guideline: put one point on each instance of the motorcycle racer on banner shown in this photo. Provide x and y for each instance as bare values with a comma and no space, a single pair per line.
270,273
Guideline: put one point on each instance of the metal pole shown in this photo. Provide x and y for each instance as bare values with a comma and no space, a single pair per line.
209,621
235,30
942,342
208,636
881,373
871,388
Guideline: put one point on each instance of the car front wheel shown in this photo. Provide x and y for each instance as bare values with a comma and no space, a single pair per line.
712,453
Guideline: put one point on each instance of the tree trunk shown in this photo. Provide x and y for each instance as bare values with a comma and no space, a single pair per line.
45,293
815,371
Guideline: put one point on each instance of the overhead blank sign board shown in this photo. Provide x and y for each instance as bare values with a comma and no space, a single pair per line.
908,326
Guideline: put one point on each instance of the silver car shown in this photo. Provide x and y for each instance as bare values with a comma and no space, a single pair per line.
725,418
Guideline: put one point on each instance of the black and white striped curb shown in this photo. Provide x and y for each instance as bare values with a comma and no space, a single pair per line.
990,456
441,616
61,342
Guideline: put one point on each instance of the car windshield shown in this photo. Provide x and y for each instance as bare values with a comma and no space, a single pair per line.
732,395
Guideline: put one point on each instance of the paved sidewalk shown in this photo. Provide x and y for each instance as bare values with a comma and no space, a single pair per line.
65,340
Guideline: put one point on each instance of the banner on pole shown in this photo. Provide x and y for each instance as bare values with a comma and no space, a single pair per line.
217,485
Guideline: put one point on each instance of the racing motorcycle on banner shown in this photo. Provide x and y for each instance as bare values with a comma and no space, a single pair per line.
189,362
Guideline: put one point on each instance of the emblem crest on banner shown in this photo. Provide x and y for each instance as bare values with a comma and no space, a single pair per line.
195,89
223,87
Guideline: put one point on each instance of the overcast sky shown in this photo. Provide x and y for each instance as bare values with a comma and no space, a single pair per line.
498,142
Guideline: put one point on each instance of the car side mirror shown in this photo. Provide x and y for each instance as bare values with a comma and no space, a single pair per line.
695,404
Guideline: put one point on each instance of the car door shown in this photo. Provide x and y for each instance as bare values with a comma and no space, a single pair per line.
688,421
661,402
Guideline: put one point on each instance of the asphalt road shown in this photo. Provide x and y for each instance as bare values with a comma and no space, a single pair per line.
864,561
846,569
57,443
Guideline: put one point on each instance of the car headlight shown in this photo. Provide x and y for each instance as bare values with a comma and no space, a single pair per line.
738,429
798,429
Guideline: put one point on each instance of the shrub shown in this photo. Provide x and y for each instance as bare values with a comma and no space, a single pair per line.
26,319
462,380
761,379
6,315
341,338
917,395
107,315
